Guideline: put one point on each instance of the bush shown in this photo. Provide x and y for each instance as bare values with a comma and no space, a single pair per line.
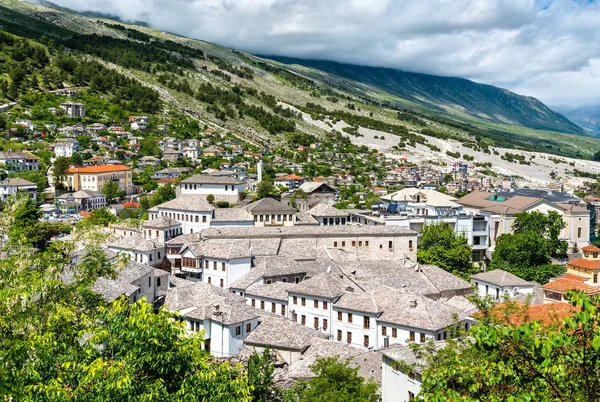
222,204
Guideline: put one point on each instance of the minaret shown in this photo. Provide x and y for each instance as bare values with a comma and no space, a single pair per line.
259,171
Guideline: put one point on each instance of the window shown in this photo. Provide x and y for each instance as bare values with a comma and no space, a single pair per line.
360,243
196,219
209,279
394,333
149,281
316,304
349,337
324,324
268,282
353,243
595,255
366,323
366,341
383,331
204,219
157,281
579,232
262,304
316,322
343,244
411,396
215,265
238,330
297,280
410,244
350,317
339,316
324,305
303,300
248,327
158,255
412,336
486,289
366,243
303,320
335,244
422,335
284,280
339,335
253,302
206,264
223,266
283,309
295,299
390,244
273,307
157,234
221,283
595,277
150,257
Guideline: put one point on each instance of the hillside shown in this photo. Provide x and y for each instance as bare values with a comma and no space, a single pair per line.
252,97
587,117
448,95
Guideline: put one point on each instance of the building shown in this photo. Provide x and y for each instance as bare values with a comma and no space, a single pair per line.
171,173
270,212
193,212
18,162
421,202
328,216
73,109
582,274
290,181
94,177
401,374
223,188
500,284
138,249
83,200
65,147
13,186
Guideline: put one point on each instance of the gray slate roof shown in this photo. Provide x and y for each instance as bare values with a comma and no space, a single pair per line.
17,182
112,289
325,211
283,334
162,222
211,179
269,205
275,291
222,249
188,202
310,186
322,285
232,215
134,242
291,231
500,277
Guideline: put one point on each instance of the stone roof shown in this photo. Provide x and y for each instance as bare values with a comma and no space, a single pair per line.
235,214
283,334
274,291
112,289
17,182
322,285
364,302
162,222
269,205
302,231
501,278
427,314
325,211
211,179
188,202
184,239
310,186
433,198
134,242
304,218
221,249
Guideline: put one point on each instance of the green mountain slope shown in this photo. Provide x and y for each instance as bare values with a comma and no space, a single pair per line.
258,99
447,93
587,117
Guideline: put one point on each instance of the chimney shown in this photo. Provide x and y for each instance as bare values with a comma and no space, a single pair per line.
413,304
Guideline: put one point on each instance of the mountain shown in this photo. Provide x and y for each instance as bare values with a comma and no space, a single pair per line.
447,94
260,99
587,117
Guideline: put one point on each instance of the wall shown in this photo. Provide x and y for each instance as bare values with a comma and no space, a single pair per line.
310,311
395,385
187,219
494,289
268,303
356,327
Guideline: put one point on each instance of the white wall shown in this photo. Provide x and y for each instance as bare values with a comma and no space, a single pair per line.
356,327
214,189
268,304
310,311
187,219
492,290
395,385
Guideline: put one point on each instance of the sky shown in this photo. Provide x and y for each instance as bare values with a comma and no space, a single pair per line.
549,49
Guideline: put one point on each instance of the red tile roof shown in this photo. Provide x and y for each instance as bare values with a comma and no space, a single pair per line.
544,313
585,263
99,169
131,204
84,214
571,282
591,249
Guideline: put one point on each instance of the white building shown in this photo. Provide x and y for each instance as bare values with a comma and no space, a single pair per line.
499,284
401,374
270,212
18,161
13,186
73,109
138,249
65,147
223,188
193,212
421,202
83,200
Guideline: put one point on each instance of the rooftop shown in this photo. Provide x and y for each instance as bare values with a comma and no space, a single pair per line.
304,231
99,169
134,242
283,334
326,211
500,277
235,214
161,222
211,179
112,289
269,205
431,197
571,282
188,202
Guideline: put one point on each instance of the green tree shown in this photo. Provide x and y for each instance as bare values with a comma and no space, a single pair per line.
210,198
150,147
261,374
266,189
76,159
334,381
111,190
552,361
441,246
59,170
101,217
528,251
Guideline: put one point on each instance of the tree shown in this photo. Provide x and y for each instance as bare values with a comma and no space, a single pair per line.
76,159
110,190
299,194
101,217
441,246
552,361
210,198
596,156
59,170
149,148
261,374
528,251
334,381
265,189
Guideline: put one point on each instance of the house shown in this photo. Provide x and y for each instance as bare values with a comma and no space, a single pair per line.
499,284
18,161
328,216
83,200
139,122
161,229
223,188
139,249
290,181
193,212
582,274
73,109
213,151
171,156
12,186
94,177
65,147
28,124
171,173
421,202
270,212
401,373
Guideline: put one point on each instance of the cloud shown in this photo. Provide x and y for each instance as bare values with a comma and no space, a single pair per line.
542,48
